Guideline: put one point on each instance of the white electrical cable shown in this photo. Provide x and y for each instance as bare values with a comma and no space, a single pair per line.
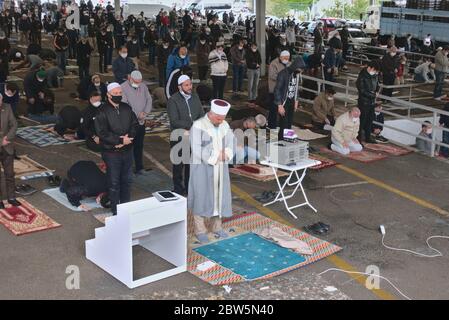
367,274
439,254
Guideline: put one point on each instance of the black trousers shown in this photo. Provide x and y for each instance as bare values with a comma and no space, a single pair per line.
102,63
7,161
83,71
388,80
119,176
181,174
367,117
219,83
202,72
285,122
138,147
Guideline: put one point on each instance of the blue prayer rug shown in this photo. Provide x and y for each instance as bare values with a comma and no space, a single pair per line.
250,255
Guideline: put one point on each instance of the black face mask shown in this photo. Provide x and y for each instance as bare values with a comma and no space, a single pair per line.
116,99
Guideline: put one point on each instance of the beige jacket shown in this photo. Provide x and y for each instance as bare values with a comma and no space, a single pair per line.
322,108
345,129
441,62
276,66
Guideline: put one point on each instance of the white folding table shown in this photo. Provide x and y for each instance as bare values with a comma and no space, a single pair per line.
293,169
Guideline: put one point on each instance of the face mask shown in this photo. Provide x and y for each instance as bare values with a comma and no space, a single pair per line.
8,94
183,56
240,48
165,47
40,80
254,50
134,41
172,34
203,42
372,73
285,62
96,104
220,49
283,43
429,131
135,85
123,55
355,120
377,113
152,29
392,54
330,98
116,99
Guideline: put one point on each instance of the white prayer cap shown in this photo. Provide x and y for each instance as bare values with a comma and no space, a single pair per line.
18,54
220,107
261,120
112,86
136,75
183,79
285,53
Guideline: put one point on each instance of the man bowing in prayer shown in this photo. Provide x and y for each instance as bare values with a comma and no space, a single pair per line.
209,194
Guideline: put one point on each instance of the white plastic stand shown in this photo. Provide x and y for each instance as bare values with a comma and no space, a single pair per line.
160,227
302,165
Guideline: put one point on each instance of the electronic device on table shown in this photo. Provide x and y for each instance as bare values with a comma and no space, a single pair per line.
288,152
164,196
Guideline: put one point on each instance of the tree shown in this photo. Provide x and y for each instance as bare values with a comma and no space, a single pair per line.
347,10
280,8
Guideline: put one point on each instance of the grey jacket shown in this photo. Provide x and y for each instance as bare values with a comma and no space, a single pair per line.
441,62
182,114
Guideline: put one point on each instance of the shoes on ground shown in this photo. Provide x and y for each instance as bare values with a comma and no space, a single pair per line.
380,139
221,234
202,237
14,202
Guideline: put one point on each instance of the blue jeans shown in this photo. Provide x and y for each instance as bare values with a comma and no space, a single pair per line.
245,154
61,59
119,176
83,30
419,78
237,80
439,82
445,150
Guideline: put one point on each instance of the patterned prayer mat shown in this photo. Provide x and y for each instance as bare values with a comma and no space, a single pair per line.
363,156
307,135
157,122
387,148
61,198
25,219
325,162
251,222
250,255
27,167
257,172
42,137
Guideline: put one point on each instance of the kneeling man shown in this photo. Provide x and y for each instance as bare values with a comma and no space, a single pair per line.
345,132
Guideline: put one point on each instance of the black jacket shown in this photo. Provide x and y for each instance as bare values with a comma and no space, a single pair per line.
111,123
253,59
283,80
389,64
368,86
83,53
69,118
88,122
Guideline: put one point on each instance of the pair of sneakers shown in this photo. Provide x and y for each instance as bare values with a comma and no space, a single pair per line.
318,228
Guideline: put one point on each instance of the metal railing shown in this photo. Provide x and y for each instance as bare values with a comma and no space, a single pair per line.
347,89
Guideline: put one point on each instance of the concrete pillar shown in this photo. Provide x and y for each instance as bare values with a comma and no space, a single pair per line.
117,6
260,32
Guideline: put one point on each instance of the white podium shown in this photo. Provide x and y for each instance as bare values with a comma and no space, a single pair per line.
160,227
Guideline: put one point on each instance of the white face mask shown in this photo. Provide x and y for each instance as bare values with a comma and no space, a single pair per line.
285,61
429,131
372,73
377,113
254,50
96,104
40,80
97,84
8,94
392,54
182,56
123,55
203,42
330,98
165,47
135,85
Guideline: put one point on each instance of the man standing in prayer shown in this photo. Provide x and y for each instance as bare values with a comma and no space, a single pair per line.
211,140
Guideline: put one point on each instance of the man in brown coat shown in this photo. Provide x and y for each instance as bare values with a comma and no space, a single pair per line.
8,128
323,111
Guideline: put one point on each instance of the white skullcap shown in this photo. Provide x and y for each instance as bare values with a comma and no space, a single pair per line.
112,86
136,75
183,79
261,120
220,107
18,54
285,53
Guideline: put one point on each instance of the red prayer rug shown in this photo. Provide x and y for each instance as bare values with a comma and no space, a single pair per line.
325,162
25,219
387,148
257,172
363,156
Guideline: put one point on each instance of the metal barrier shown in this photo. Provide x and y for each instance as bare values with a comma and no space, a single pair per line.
347,89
